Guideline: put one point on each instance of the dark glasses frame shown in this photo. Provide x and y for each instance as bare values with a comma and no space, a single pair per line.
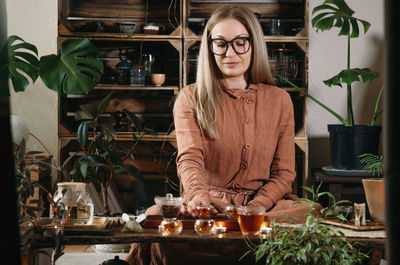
249,39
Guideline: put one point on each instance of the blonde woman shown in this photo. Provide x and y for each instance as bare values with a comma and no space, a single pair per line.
234,127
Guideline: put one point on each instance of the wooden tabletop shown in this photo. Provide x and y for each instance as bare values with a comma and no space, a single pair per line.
152,235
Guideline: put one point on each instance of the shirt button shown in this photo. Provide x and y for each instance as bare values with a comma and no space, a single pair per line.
249,100
247,147
244,165
249,120
237,185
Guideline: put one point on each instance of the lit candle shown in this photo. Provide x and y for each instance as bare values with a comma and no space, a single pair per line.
265,229
218,230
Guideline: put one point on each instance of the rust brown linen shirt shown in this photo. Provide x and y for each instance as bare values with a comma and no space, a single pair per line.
252,162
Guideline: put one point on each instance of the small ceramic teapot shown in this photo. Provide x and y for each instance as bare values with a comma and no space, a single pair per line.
115,261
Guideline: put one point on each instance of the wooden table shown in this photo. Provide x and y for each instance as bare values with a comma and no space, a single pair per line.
230,238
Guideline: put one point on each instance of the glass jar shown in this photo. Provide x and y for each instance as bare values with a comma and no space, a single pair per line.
137,77
284,63
73,204
122,72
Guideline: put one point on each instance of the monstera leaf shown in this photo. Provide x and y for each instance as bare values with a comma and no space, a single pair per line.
22,59
75,71
349,76
336,13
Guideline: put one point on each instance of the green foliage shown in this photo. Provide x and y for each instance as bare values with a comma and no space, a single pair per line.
101,156
337,14
312,243
75,71
373,163
22,57
349,76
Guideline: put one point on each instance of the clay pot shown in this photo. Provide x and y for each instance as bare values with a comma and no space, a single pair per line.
375,194
158,79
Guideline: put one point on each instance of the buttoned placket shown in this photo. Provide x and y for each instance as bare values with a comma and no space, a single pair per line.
248,135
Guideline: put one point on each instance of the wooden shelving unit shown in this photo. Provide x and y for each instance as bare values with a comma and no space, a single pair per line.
175,50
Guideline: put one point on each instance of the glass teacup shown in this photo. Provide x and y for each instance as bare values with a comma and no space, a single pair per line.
205,211
251,219
232,211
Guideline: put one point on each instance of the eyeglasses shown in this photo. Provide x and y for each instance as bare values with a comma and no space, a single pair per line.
240,45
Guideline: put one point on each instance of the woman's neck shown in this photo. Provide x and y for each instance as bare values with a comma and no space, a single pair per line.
235,83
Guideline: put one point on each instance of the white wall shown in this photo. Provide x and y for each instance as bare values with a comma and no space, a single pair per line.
327,56
35,21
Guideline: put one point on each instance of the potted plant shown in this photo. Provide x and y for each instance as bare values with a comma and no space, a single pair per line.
75,70
374,188
101,156
347,140
308,243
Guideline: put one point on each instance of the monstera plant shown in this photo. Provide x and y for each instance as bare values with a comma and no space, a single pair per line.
76,70
348,140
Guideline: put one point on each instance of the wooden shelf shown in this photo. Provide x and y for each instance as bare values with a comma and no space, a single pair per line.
127,136
266,38
128,87
119,36
175,53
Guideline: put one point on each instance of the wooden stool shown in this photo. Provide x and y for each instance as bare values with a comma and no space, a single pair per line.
341,187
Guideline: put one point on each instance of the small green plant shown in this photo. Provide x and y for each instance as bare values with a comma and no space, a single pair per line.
312,243
101,156
373,163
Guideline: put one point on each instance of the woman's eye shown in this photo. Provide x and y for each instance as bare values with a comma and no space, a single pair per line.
221,44
240,43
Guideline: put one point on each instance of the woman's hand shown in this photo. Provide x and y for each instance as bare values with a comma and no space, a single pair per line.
191,207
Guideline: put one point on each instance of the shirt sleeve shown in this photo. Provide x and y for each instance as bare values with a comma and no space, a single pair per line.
282,171
190,159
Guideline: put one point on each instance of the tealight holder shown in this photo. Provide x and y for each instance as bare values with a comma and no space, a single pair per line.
265,230
204,226
219,230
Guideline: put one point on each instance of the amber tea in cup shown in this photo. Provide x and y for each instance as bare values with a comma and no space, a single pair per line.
204,226
171,227
204,211
232,211
250,220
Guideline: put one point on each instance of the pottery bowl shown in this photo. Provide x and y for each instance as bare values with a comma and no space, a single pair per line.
158,79
127,27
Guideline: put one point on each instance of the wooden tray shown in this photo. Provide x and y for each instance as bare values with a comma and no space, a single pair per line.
153,221
371,225
98,223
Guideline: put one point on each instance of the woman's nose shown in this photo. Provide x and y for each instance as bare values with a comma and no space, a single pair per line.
230,52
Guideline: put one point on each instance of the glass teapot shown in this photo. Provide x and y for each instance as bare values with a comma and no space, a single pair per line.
74,205
169,208
284,63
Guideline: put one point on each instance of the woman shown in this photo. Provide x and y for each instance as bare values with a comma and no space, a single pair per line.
235,132
234,128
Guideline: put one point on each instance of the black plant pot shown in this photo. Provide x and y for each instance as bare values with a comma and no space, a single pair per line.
349,142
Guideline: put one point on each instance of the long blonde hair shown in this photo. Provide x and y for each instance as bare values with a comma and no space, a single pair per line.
208,80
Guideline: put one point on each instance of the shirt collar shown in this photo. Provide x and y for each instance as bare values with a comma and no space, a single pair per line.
235,93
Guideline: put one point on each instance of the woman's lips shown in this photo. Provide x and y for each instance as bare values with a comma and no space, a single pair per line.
231,63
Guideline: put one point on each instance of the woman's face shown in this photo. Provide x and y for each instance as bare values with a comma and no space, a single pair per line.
231,64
